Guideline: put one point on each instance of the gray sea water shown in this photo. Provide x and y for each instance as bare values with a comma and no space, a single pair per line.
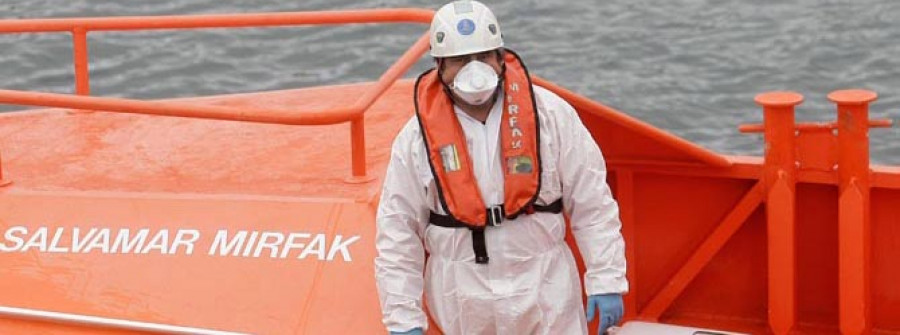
691,67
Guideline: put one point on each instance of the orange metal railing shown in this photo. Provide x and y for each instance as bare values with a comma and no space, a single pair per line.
80,27
582,103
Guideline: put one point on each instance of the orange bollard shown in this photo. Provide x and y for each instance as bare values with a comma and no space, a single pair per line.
780,175
854,239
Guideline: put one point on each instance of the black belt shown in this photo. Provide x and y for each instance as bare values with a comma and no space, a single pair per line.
495,217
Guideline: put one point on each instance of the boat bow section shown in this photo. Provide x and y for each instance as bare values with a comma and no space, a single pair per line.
210,225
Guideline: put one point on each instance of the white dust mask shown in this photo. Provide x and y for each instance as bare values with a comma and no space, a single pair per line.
475,82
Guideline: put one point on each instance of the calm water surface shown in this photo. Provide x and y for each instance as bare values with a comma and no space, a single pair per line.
691,67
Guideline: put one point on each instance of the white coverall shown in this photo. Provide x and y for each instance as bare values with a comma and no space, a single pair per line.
531,284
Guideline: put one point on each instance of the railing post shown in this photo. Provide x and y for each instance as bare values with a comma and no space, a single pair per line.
3,181
358,151
80,59
854,239
779,174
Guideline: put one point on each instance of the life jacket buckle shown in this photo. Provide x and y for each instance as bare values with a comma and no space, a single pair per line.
495,215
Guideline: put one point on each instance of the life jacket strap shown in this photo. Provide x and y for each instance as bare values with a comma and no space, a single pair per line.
495,217
479,246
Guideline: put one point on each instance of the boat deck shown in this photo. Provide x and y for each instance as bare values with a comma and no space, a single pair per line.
60,150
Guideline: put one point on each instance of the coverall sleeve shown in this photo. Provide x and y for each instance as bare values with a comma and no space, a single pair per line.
400,261
588,201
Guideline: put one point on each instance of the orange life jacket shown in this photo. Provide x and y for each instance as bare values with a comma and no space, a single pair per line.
449,155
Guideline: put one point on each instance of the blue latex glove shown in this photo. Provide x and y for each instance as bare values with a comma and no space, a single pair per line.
609,306
414,331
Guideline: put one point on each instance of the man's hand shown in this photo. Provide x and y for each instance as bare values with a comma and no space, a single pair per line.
414,331
610,308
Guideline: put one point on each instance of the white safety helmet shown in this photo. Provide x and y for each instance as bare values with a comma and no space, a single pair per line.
464,27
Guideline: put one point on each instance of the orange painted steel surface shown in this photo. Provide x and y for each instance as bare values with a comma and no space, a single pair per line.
283,115
705,256
3,181
800,241
259,290
853,225
80,59
79,27
780,177
170,154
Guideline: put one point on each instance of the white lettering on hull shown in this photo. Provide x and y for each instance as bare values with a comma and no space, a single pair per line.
225,243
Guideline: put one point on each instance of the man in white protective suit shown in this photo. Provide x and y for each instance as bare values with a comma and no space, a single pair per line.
471,214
